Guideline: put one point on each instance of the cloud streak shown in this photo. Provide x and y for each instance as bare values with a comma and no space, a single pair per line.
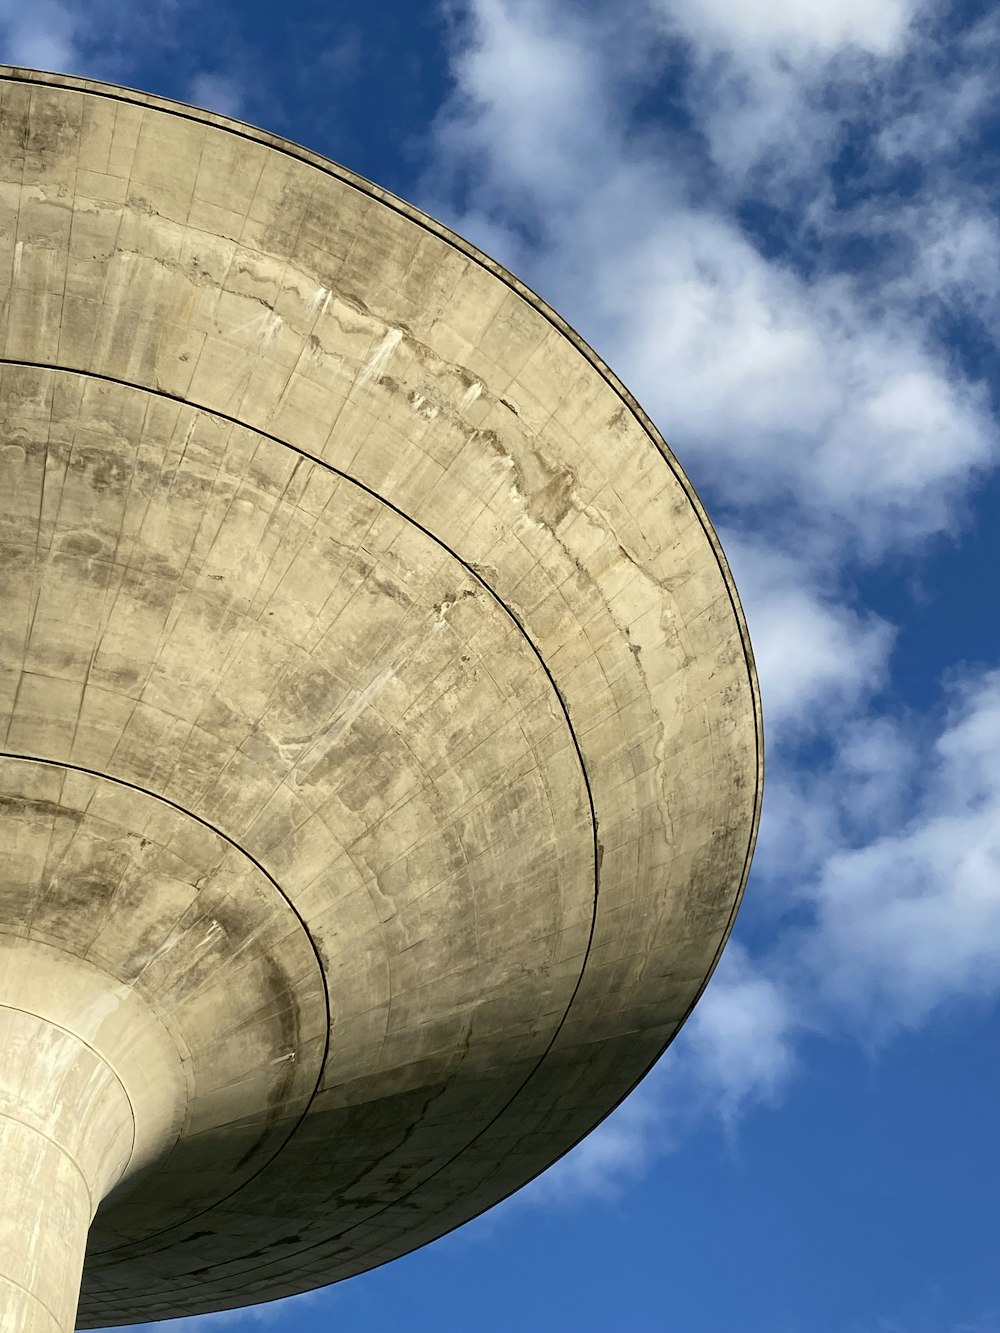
39,36
104,41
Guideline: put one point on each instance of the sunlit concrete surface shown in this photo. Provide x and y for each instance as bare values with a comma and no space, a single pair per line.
381,757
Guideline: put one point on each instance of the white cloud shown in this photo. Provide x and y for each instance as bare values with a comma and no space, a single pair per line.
524,68
776,388
738,1046
948,252
803,28
740,1043
816,658
41,35
947,95
615,1153
102,39
911,919
942,121
223,93
758,70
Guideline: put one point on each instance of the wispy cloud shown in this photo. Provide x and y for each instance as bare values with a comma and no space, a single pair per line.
835,660
803,31
911,918
224,93
614,1155
103,40
39,36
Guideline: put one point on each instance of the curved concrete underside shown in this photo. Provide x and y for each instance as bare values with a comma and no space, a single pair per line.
375,702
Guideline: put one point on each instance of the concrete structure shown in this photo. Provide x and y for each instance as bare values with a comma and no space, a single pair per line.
381,744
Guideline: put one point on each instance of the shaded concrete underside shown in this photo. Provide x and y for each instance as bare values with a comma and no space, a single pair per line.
374,699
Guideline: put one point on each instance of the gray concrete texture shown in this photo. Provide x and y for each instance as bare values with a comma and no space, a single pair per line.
381,747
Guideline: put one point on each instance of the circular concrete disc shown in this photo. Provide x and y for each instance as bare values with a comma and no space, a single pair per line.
375,698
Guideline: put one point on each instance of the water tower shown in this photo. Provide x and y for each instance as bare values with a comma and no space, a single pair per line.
380,737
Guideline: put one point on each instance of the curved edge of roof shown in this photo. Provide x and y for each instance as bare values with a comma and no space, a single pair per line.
289,148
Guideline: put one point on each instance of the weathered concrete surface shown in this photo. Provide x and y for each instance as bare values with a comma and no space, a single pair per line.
378,712
66,1134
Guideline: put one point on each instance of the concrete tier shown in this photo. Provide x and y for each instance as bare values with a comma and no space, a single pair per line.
379,728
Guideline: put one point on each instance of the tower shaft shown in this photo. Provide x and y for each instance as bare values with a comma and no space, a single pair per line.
66,1135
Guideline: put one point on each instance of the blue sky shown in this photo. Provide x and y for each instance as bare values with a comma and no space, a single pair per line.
777,220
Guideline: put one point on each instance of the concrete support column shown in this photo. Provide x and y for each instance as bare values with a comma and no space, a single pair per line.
66,1135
